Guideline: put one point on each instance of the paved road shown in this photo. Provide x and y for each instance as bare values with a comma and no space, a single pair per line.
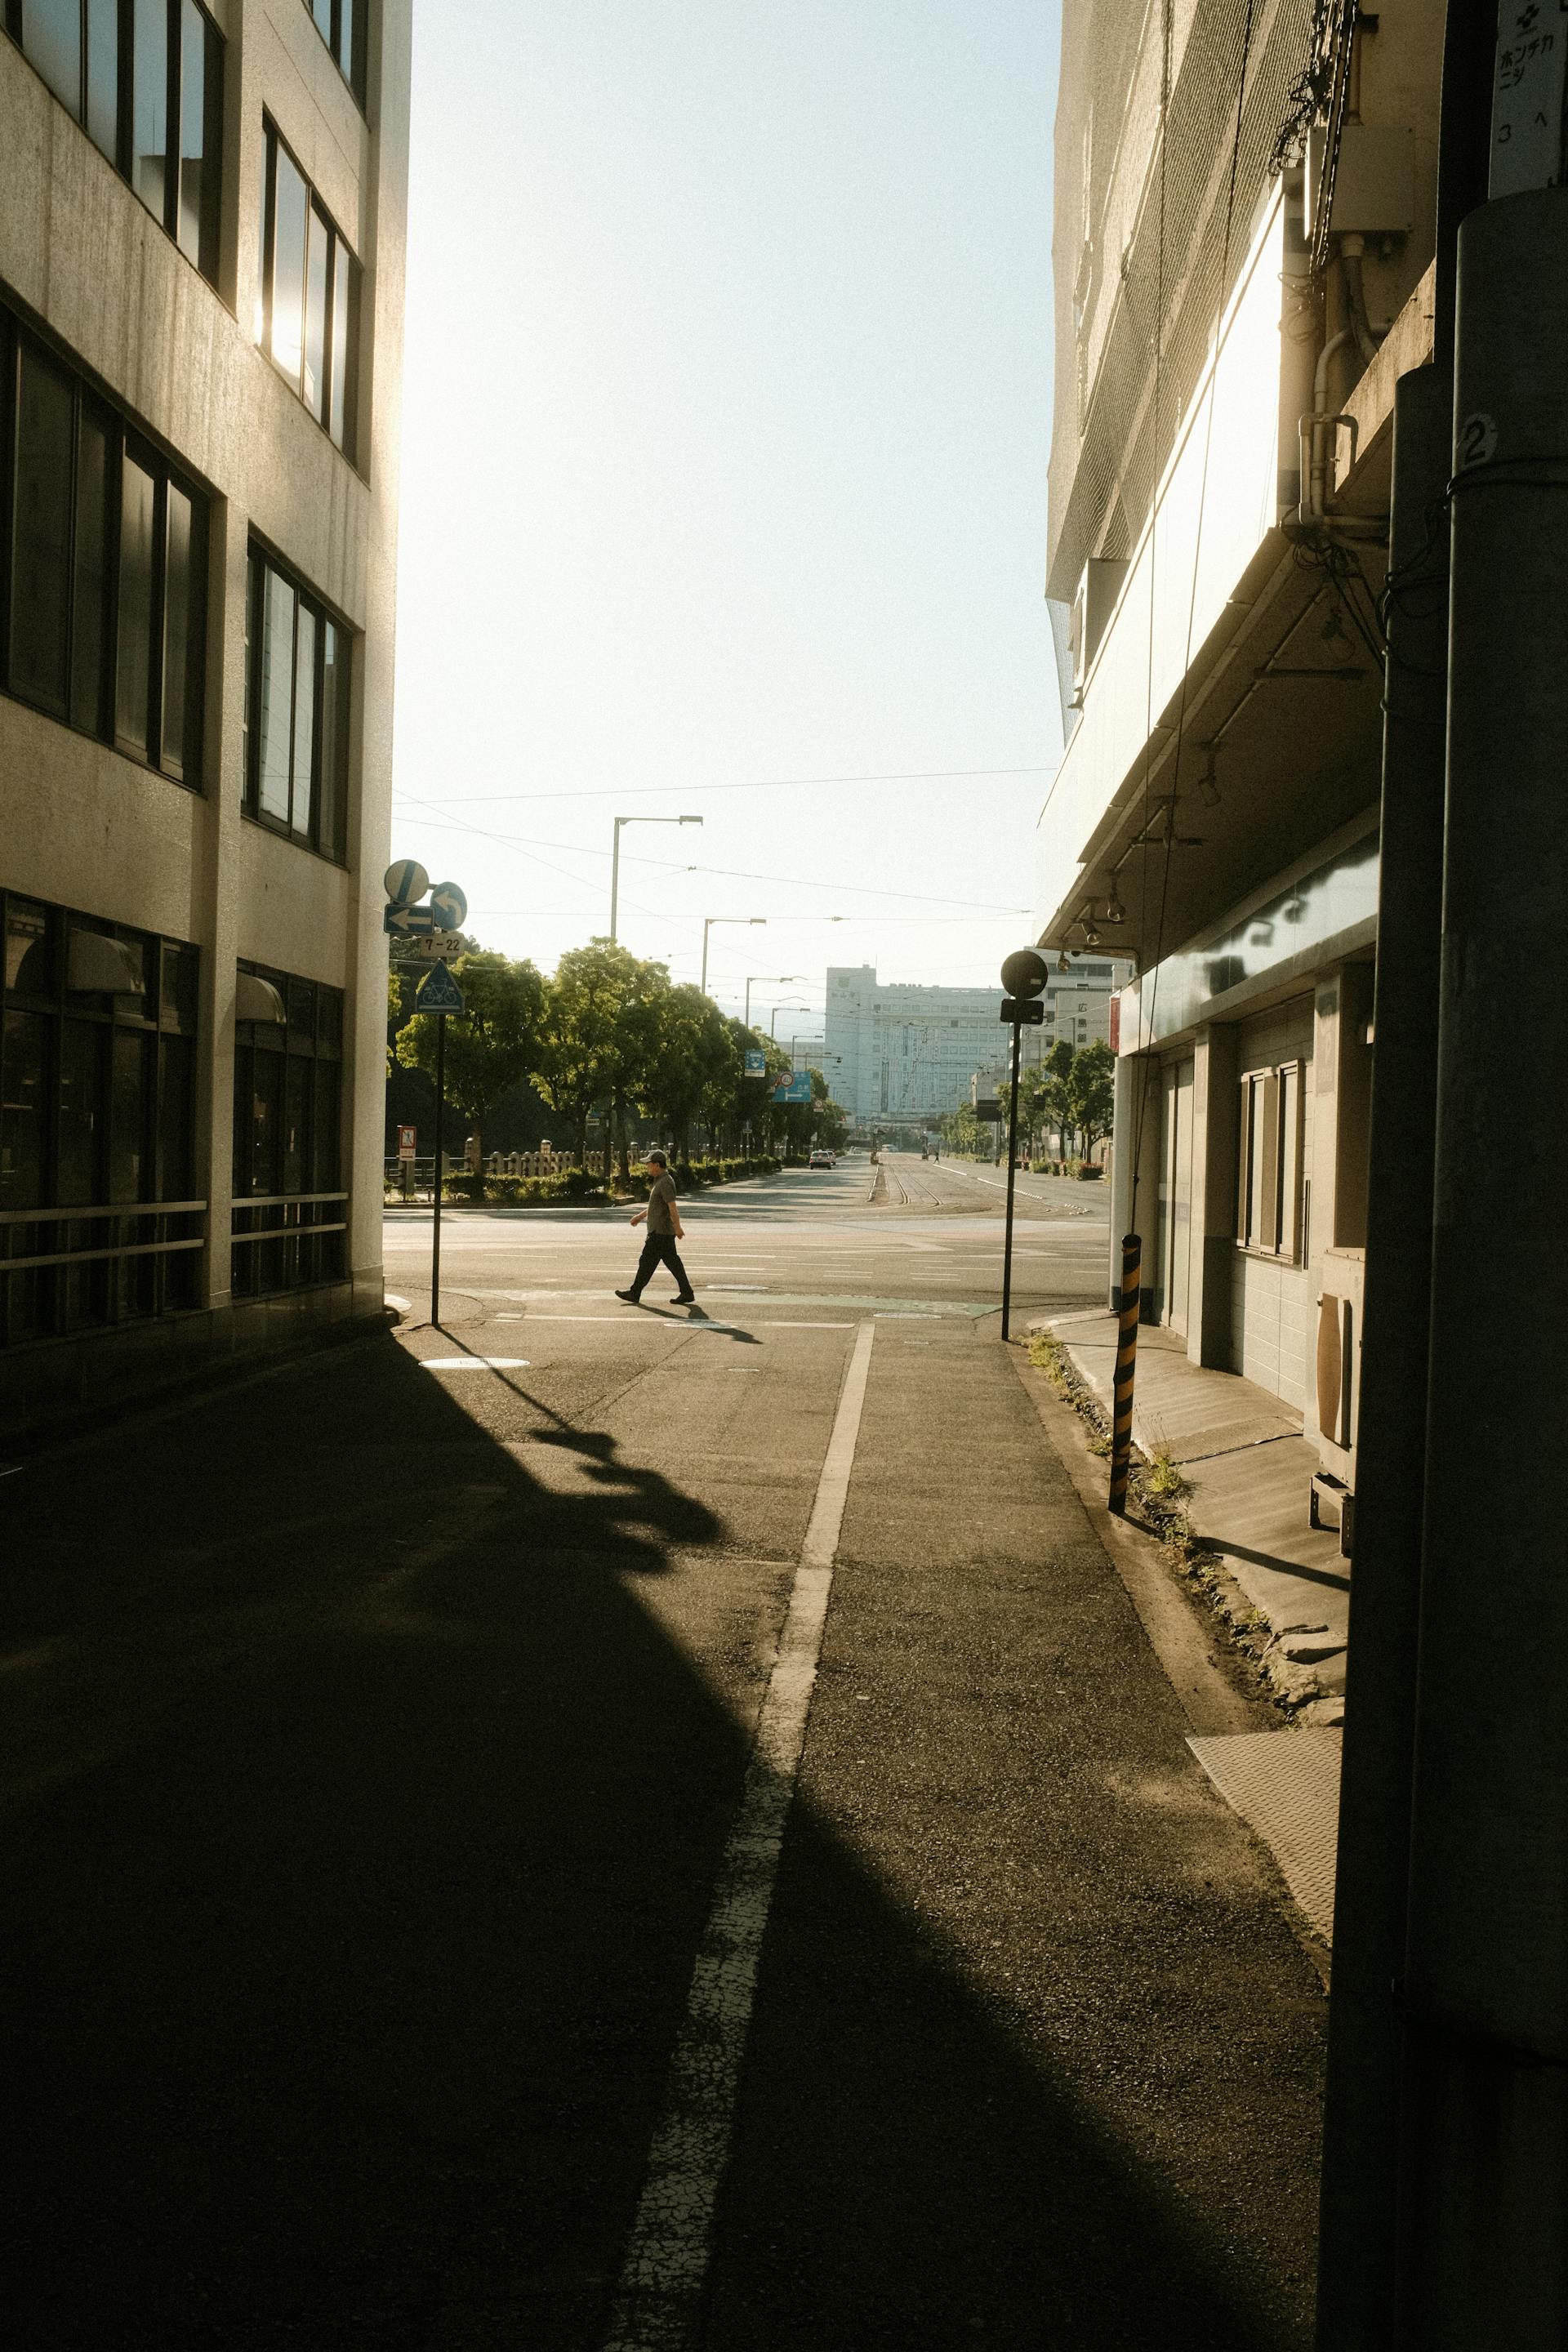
375,1743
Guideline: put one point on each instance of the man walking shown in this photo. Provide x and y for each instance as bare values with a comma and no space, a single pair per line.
664,1230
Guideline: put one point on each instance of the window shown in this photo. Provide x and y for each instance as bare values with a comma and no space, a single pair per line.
289,1218
296,712
105,568
341,24
308,308
97,1105
1270,1176
129,71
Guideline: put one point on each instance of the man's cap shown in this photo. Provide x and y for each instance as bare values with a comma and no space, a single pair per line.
660,1157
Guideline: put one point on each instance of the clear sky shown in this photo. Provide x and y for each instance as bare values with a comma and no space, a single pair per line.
727,407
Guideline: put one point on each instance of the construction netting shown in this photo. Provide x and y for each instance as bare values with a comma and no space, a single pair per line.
1150,234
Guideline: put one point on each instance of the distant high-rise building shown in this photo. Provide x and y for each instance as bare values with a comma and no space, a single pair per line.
897,1053
201,228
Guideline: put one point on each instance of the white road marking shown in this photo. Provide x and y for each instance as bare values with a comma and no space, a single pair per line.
473,1363
658,2302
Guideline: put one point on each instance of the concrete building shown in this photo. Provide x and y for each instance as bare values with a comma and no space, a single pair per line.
202,223
897,1053
1237,287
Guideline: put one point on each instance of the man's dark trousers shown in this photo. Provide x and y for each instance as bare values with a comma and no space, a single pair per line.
660,1248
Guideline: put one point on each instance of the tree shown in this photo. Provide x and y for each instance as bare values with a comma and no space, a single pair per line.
496,1044
595,1042
693,1054
1093,1090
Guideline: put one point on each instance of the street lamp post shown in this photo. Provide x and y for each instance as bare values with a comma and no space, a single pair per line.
772,1017
708,923
785,980
616,856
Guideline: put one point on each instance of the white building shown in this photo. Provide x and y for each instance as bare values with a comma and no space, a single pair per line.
201,220
897,1053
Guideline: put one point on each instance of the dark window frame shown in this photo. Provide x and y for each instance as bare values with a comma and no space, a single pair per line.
114,1257
340,342
260,561
356,16
289,1237
123,439
205,260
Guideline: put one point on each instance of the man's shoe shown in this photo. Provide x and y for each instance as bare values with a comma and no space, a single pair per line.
684,1298
631,1297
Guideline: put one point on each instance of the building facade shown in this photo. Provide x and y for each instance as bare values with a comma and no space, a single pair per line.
897,1053
202,226
1260,184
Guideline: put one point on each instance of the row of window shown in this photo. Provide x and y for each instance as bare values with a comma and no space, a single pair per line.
97,1040
103,607
144,79
1270,1190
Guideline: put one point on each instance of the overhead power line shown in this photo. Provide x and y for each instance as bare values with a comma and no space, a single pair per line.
755,784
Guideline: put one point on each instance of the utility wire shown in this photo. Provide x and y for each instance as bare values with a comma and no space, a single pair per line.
759,785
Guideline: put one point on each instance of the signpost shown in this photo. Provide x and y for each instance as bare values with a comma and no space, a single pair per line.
796,1090
756,1061
1023,976
430,934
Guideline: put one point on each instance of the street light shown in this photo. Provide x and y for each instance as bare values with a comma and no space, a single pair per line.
785,980
772,1017
616,854
708,923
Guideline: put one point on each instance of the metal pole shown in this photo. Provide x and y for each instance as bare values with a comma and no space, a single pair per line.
1484,2182
1012,1171
1128,1305
1361,2116
708,923
440,1123
616,876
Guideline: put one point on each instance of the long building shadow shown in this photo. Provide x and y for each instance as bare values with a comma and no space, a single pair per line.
359,1826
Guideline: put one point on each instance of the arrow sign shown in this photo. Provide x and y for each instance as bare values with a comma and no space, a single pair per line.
756,1063
448,906
439,992
402,922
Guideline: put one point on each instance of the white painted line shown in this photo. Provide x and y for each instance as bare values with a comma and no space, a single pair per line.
777,1324
473,1363
659,2300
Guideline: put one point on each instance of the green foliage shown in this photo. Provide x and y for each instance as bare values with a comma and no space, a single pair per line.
496,1044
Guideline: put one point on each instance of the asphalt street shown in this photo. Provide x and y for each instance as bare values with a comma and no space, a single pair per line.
591,1825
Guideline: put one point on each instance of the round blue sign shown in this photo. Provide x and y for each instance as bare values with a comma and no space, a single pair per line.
448,906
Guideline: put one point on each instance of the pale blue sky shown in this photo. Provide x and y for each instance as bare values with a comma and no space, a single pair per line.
727,411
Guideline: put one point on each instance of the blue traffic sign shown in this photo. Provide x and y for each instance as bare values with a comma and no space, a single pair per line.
439,992
403,922
756,1063
448,906
795,1090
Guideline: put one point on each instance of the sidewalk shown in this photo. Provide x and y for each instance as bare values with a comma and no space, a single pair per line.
1249,1470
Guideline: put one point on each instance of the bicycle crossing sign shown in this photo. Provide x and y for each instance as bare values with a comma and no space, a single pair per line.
439,992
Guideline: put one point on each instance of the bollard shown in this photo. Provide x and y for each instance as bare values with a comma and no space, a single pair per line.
1126,1370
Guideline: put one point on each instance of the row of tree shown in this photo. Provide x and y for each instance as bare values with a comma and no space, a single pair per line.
1068,1096
609,1037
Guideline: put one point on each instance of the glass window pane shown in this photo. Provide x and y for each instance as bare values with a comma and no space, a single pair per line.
197,158
351,46
305,724
28,967
263,214
177,1008
290,212
323,12
296,1126
134,656
103,75
91,582
316,314
128,1121
51,36
177,1068
149,105
332,764
345,313
277,698
328,1021
328,1080
177,604
299,998
40,555
22,1043
266,1120
81,1110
